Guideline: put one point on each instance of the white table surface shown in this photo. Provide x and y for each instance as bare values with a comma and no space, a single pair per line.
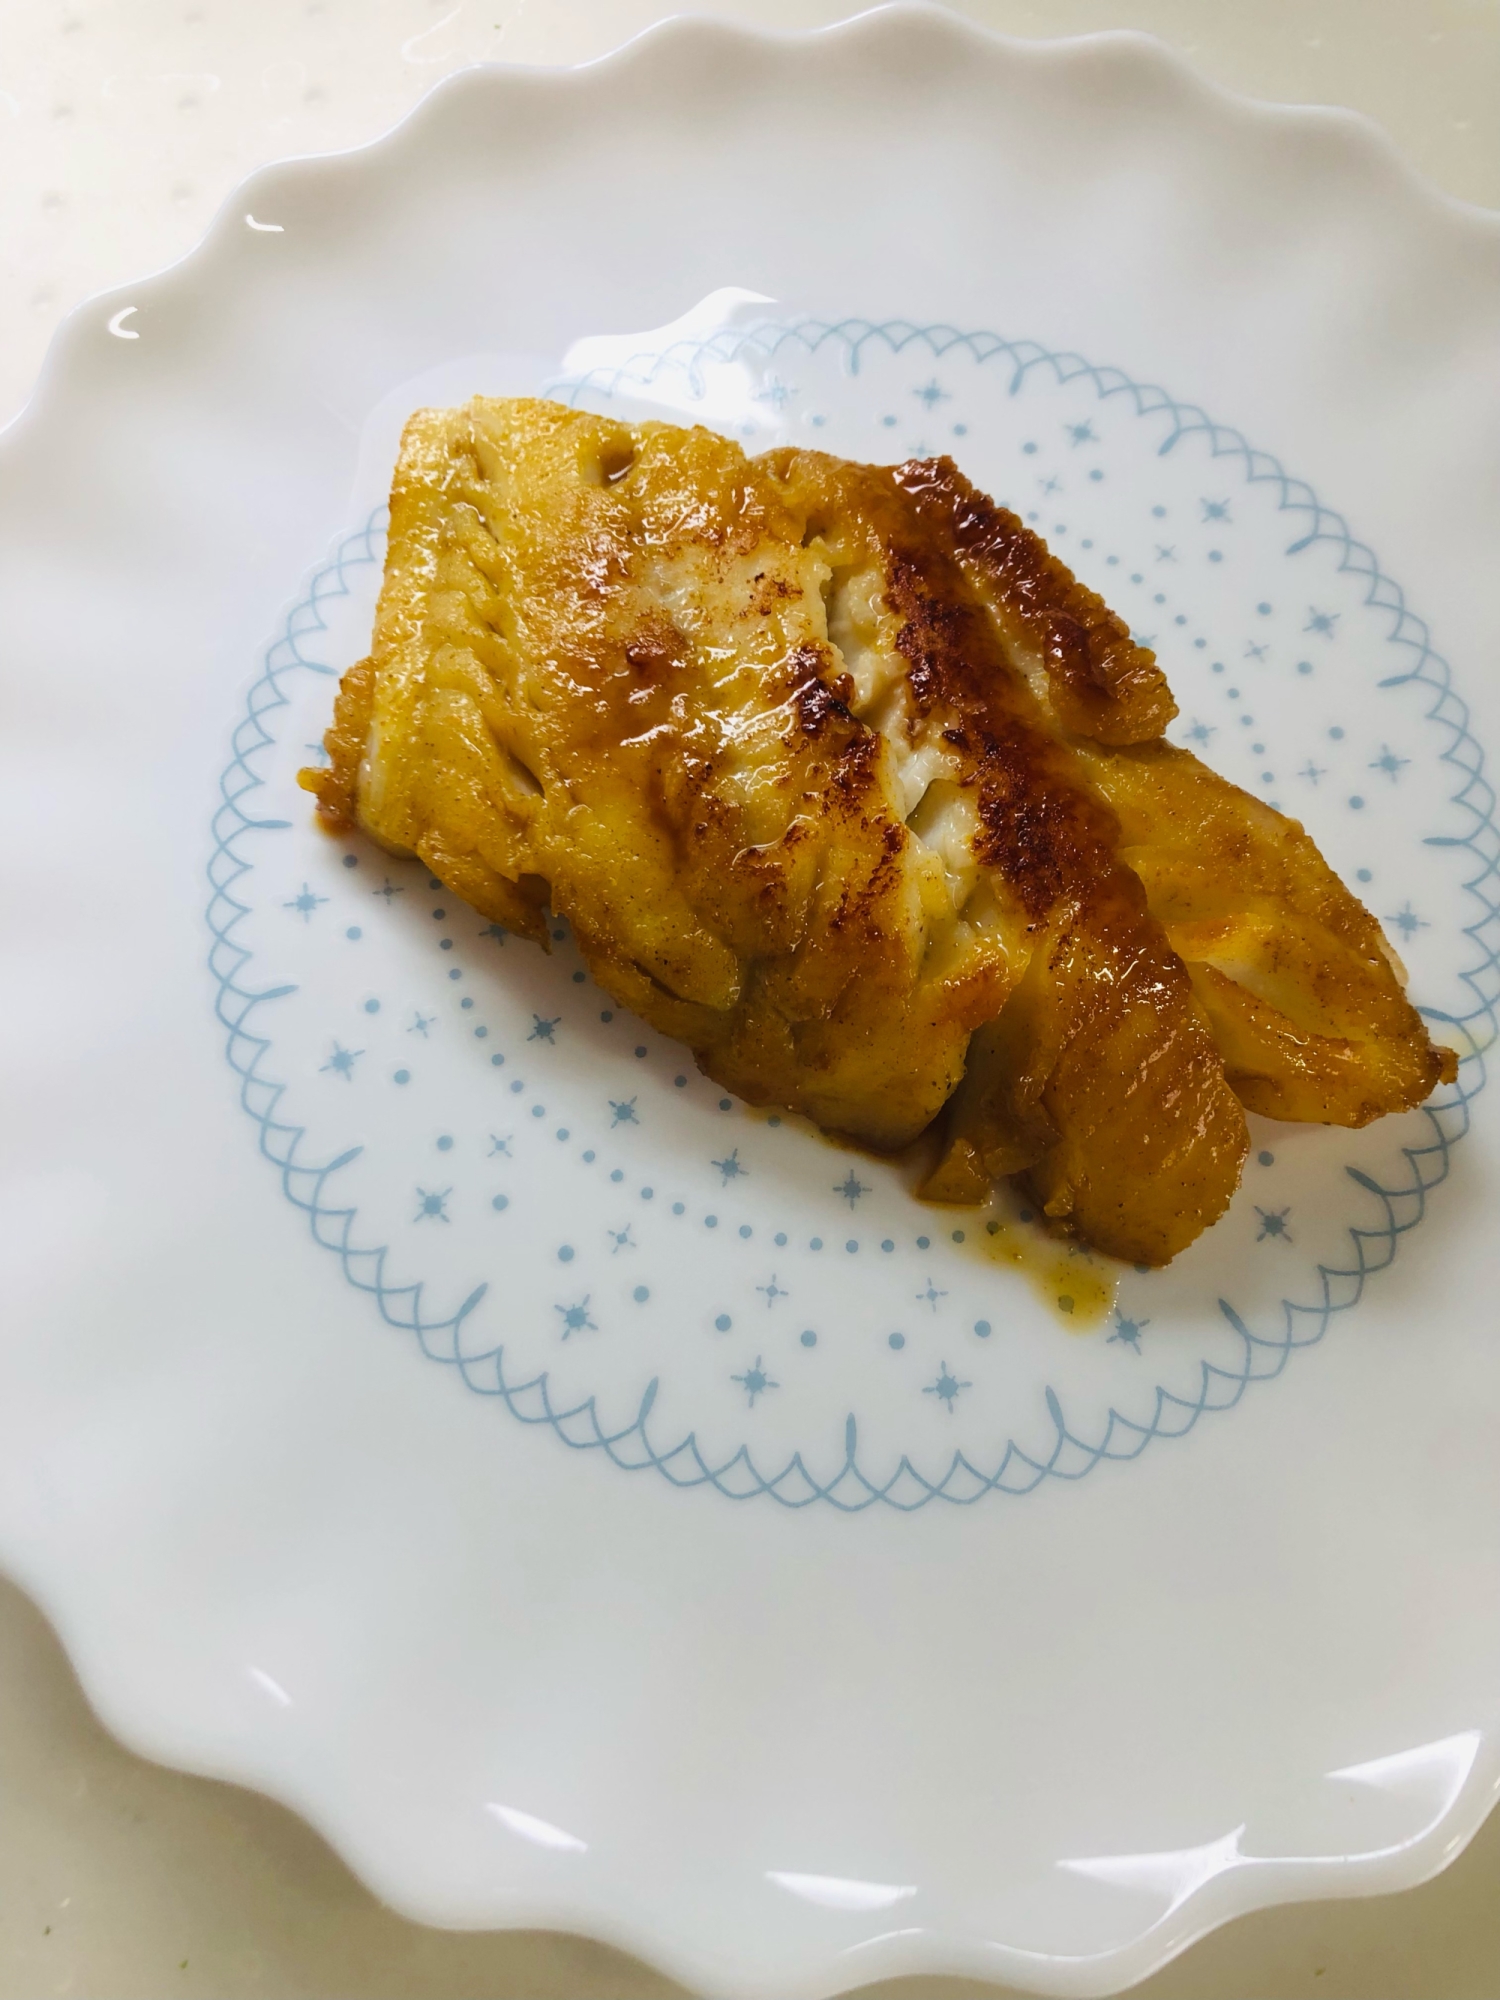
123,124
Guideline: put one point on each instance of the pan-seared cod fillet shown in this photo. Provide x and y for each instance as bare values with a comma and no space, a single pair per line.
846,782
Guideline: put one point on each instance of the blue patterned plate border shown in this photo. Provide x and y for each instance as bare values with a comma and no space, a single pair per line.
1396,1209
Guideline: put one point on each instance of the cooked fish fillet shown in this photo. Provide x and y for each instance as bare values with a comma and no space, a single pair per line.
846,782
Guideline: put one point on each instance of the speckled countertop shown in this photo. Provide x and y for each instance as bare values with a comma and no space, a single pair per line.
123,125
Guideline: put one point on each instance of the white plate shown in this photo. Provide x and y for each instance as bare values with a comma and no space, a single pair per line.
770,1580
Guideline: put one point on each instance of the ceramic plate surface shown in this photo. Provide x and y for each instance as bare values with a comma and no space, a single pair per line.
787,1581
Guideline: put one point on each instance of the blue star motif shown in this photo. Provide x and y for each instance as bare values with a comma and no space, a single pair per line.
575,1318
1407,921
1389,762
730,1169
1254,651
496,931
388,889
304,903
773,1291
1199,732
932,1295
1080,433
1144,638
432,1207
1312,772
1215,510
755,1381
1165,552
947,1388
342,1062
420,1024
932,395
622,1240
1273,1223
775,392
1051,484
499,1145
1321,621
1128,1331
851,1188
544,1031
624,1113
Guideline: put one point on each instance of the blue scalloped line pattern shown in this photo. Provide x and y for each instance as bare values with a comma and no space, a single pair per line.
1263,1357
237,1004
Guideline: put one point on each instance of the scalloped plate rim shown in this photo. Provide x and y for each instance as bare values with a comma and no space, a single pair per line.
1238,1890
1336,120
